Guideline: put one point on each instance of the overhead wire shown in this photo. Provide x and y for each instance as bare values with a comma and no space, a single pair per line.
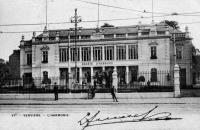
105,20
122,8
95,21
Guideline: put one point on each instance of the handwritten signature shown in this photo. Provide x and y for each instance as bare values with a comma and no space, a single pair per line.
91,120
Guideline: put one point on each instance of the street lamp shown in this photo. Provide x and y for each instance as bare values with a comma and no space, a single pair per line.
76,19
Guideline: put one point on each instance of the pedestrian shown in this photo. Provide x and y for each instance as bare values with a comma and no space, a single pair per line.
148,83
112,90
56,91
94,88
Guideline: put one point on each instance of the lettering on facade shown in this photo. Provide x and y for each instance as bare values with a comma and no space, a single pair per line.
87,64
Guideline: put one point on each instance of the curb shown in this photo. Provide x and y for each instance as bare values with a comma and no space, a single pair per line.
109,103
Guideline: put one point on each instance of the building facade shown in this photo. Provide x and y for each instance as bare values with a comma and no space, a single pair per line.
14,63
127,51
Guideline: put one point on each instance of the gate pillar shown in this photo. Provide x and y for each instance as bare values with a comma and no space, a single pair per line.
177,92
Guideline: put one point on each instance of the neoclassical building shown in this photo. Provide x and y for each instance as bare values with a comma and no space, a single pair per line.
129,51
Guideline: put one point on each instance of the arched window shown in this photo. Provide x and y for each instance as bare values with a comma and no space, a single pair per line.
46,80
153,75
45,74
44,50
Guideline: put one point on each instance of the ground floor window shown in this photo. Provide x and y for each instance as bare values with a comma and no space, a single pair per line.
27,78
153,75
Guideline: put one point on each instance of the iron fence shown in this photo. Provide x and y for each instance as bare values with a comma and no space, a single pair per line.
139,82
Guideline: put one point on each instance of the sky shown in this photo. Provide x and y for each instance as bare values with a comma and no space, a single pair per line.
59,11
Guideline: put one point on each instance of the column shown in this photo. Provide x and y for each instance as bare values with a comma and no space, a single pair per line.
103,53
127,52
92,76
114,76
115,52
80,76
91,53
127,74
177,92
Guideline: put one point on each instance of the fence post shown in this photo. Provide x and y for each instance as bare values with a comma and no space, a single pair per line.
177,92
114,76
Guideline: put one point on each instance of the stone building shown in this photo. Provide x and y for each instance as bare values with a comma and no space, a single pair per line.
14,64
125,50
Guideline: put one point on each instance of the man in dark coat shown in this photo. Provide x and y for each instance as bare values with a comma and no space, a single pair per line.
55,91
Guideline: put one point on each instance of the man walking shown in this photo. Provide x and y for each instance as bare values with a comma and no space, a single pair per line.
56,91
112,90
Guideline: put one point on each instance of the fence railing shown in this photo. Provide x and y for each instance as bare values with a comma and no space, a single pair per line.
139,82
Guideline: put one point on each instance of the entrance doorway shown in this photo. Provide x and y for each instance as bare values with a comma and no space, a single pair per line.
64,77
183,77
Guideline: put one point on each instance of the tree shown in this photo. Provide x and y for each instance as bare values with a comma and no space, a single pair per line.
2,61
173,24
4,72
107,25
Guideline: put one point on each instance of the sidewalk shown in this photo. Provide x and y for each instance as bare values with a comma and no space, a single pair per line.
64,101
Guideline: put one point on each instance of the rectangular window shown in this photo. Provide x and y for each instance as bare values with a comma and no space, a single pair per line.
109,36
120,35
133,51
161,32
154,75
97,53
45,57
145,33
74,54
85,37
178,52
29,59
86,53
153,52
63,38
121,52
63,54
73,37
27,78
109,52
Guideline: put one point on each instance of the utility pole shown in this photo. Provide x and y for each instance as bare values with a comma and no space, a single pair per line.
46,13
152,12
76,19
174,42
98,16
69,68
